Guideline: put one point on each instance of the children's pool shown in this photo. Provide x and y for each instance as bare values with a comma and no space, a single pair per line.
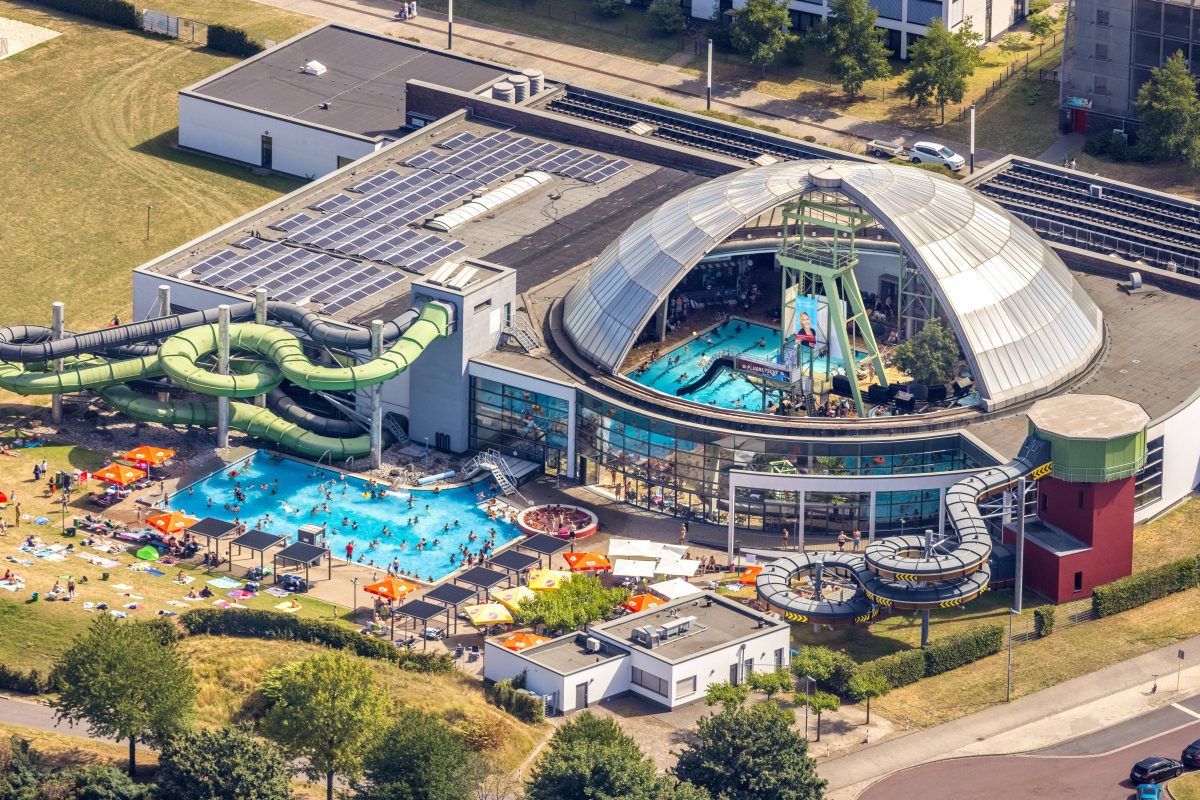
729,389
297,494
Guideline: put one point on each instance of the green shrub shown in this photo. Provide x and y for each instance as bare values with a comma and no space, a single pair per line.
232,40
32,682
666,16
258,624
1043,621
793,53
1038,6
117,12
898,669
510,695
1144,587
610,8
960,649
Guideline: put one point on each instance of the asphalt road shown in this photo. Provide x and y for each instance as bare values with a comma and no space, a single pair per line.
1092,767
39,717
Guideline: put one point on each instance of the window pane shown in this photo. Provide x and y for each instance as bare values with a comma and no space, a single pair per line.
1145,50
1148,16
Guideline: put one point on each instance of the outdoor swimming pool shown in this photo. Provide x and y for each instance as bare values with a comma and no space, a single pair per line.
729,389
291,501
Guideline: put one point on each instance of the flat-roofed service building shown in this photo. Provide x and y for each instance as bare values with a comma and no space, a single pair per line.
318,101
669,655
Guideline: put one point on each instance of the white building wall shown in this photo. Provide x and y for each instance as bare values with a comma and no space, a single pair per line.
607,678
1181,457
236,133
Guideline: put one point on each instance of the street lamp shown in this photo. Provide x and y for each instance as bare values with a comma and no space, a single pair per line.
809,682
353,599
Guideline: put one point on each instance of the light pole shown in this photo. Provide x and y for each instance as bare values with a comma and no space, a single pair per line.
425,462
972,138
808,682
149,208
353,599
708,83
1008,686
450,25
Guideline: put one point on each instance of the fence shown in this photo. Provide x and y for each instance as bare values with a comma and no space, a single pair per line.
164,24
1009,71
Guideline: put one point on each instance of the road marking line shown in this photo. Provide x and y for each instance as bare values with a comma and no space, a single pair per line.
1195,714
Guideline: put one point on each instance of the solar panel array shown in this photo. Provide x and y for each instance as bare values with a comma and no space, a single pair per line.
323,253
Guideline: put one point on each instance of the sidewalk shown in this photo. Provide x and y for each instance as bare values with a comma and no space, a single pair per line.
616,74
1070,709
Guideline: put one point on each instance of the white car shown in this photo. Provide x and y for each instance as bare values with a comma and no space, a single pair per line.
934,153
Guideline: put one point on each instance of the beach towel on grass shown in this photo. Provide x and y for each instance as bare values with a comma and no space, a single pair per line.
240,594
184,581
275,591
192,599
155,572
225,583
177,604
11,587
287,608
54,557
122,587
119,614
25,562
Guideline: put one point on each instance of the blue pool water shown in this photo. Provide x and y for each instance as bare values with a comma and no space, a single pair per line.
729,389
299,492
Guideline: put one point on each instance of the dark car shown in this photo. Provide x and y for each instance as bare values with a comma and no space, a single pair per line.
1155,769
1191,755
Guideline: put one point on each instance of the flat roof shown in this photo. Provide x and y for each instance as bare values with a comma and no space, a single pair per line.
363,83
1088,416
1053,539
718,623
568,654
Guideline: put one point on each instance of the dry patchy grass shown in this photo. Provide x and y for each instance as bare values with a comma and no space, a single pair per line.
1065,654
87,130
259,20
1172,536
1186,787
63,750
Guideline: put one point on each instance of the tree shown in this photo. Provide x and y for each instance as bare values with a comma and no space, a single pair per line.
867,686
666,16
580,600
726,694
1041,26
127,681
327,709
760,31
418,758
1012,43
751,753
932,355
771,683
226,764
818,703
1170,113
856,48
591,756
815,662
610,8
941,63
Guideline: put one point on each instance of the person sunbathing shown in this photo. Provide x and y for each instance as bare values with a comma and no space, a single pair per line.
192,595
206,592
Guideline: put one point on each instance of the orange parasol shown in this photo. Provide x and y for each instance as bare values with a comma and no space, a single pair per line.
749,576
147,454
391,588
642,602
521,641
172,522
3,497
119,474
583,561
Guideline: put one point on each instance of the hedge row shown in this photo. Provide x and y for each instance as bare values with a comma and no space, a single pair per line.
1043,621
232,40
1144,587
32,682
510,695
898,669
960,649
276,625
118,12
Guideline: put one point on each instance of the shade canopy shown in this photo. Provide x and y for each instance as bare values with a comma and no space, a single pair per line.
513,597
420,610
487,614
147,553
391,588
749,576
673,589
119,474
149,454
482,577
544,580
644,549
174,522
580,562
212,528
258,540
450,594
642,602
523,641
629,568
513,561
544,544
683,567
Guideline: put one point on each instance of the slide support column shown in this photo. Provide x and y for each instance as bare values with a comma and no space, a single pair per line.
376,398
732,518
164,309
223,369
56,326
260,317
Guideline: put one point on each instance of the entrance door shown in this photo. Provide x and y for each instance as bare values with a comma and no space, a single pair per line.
734,675
266,152
581,695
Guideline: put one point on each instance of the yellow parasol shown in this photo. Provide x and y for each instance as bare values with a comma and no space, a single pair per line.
511,598
487,614
544,580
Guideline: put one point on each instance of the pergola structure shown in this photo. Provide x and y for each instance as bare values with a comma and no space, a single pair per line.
257,541
482,578
514,562
213,530
452,596
422,612
302,554
544,545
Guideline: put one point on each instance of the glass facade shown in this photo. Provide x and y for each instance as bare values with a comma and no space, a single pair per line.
1160,29
520,423
1147,487
683,471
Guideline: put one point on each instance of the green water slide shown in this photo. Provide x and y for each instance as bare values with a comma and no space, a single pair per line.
279,356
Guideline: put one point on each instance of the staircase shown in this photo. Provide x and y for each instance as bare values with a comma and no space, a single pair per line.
493,462
392,426
519,330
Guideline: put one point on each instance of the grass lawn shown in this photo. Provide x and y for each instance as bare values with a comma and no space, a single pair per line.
1172,536
259,20
86,135
1021,118
573,22
1186,786
65,750
1065,654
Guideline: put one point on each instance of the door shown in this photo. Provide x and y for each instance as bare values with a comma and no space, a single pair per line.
266,151
581,695
734,675
1079,120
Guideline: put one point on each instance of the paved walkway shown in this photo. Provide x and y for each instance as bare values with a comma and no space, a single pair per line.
1066,145
611,73
1071,709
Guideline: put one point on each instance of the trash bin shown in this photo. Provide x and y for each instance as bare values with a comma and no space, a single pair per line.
35,596
103,576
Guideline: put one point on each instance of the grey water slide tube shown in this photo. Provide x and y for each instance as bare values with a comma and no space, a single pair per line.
32,343
283,405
